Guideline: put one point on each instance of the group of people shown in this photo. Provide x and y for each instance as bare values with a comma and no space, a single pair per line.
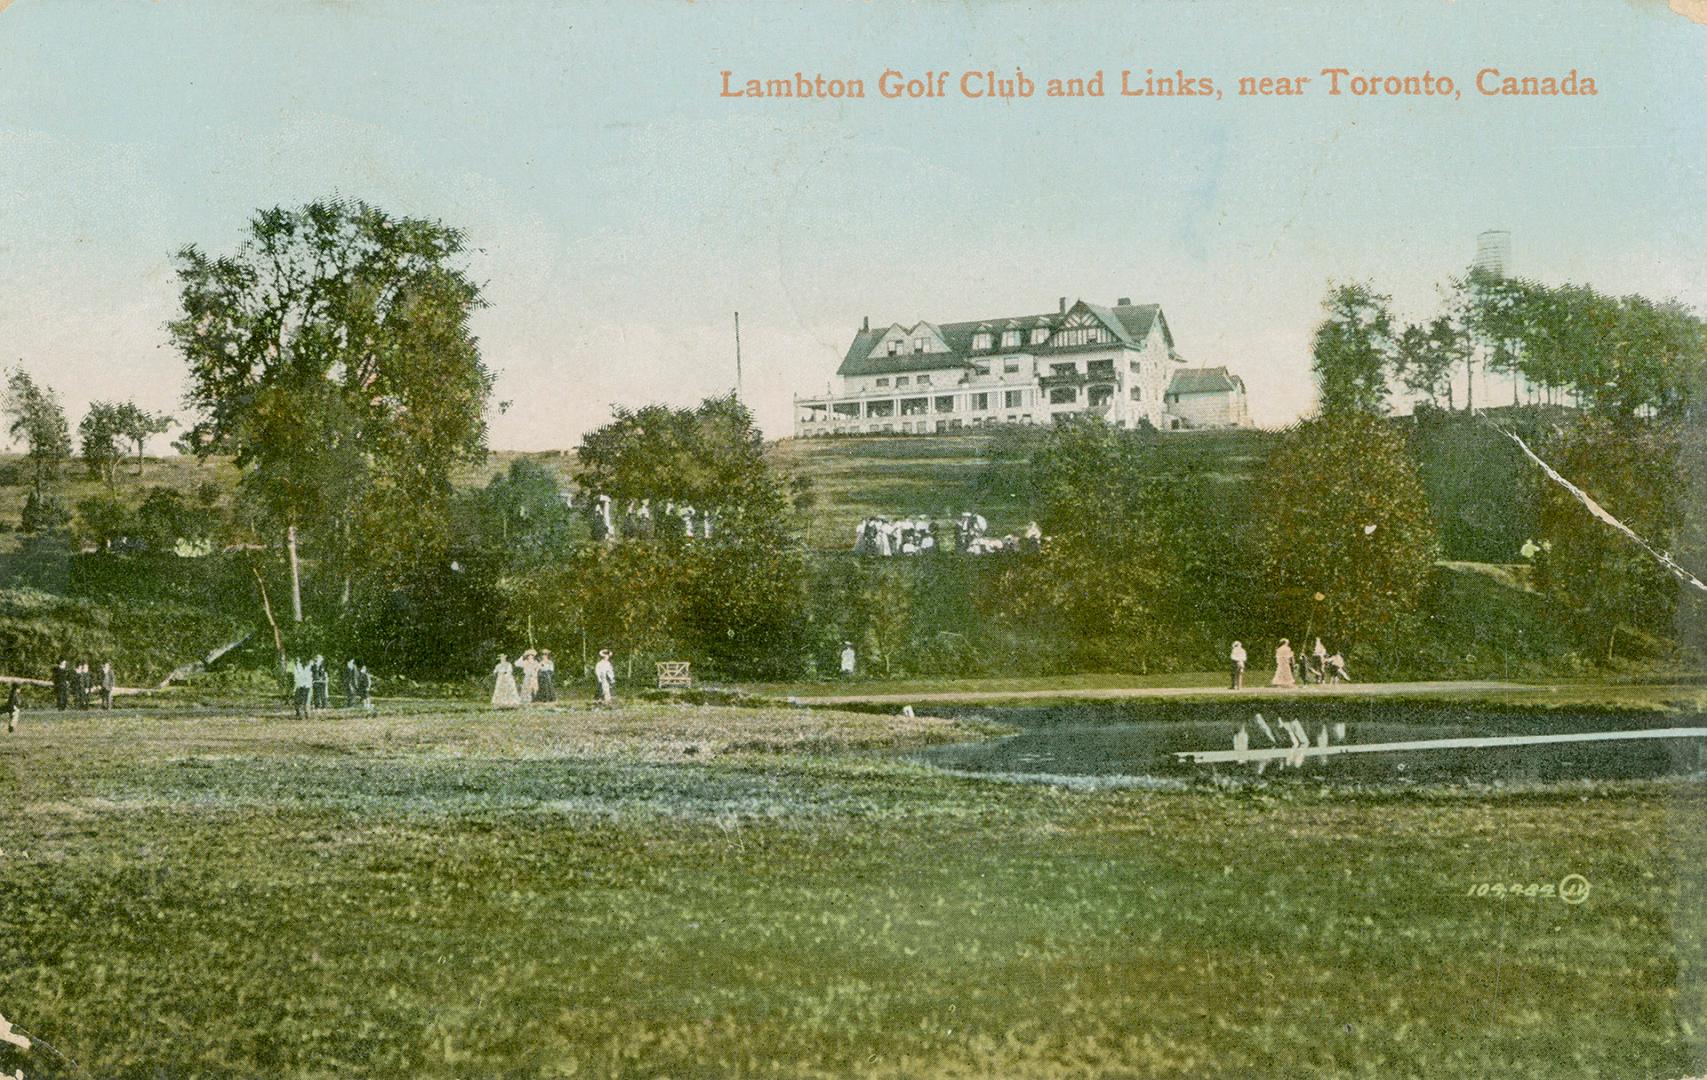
637,519
79,684
1320,666
538,682
883,537
311,686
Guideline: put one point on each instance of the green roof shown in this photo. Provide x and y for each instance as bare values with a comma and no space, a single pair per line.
1204,380
1130,324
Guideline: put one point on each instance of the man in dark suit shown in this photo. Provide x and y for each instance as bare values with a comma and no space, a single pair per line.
62,684
350,685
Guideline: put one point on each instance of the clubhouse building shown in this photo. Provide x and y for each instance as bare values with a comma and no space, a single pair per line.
1117,363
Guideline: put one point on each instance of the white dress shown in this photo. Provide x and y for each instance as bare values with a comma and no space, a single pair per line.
504,689
1283,667
530,679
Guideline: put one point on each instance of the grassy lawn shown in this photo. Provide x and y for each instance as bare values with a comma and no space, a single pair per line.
669,890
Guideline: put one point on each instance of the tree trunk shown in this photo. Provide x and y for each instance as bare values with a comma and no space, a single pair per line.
1469,385
266,606
295,575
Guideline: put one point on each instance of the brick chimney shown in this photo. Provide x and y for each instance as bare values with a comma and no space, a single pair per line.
1063,309
865,323
1124,301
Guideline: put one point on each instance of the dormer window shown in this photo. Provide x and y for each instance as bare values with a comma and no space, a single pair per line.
1040,335
980,341
918,344
924,380
1010,339
894,348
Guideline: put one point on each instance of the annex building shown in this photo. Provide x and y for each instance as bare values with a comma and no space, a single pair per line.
1118,363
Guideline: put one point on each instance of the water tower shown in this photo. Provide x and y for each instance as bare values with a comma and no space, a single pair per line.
1493,252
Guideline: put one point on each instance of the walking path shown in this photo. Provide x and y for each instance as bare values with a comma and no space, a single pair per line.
976,697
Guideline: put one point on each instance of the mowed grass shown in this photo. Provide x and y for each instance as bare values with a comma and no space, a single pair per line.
670,890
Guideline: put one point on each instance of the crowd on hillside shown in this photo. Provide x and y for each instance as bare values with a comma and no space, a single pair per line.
921,535
638,519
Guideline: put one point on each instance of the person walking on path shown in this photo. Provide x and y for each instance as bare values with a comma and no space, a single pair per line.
529,667
605,672
1283,665
302,688
109,683
364,688
504,694
62,684
1318,662
14,708
1237,659
82,682
322,683
350,685
547,677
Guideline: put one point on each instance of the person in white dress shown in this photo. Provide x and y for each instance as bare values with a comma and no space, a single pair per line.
605,672
504,688
1237,659
1283,665
849,658
528,665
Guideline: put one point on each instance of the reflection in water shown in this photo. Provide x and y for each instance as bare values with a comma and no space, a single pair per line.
1108,740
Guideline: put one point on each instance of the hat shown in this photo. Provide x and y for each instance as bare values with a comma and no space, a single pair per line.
604,654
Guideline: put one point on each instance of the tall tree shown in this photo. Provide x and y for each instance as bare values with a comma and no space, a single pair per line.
1352,350
38,421
137,425
1343,516
98,436
1426,356
331,355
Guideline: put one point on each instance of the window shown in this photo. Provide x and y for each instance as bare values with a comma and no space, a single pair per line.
914,406
1083,335
924,380
1063,395
1012,400
880,408
894,348
981,369
945,403
1010,367
1010,339
1100,368
881,383
901,380
1137,368
1099,395
1040,335
1062,369
980,341
1137,394
918,344
980,402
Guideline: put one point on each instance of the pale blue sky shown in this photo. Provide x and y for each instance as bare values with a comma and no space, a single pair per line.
623,210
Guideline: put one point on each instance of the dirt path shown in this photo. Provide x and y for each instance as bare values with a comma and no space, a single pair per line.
974,697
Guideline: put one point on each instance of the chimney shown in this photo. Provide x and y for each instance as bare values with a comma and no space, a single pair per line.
865,324
1124,301
1063,309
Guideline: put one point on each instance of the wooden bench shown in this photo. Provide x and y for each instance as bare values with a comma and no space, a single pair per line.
673,673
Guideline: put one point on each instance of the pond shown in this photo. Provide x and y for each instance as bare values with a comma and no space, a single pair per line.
1141,739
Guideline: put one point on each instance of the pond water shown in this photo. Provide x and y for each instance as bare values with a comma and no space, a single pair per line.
1141,738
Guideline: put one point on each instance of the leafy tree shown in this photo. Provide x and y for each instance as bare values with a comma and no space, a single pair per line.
1352,350
38,421
99,434
103,519
166,516
1425,357
137,425
1342,515
1603,587
331,355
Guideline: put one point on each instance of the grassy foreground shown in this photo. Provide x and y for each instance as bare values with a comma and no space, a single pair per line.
670,890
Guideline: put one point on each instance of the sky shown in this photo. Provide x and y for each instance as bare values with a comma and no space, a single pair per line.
622,210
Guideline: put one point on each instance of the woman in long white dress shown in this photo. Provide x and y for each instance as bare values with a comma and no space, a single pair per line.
504,688
1283,665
